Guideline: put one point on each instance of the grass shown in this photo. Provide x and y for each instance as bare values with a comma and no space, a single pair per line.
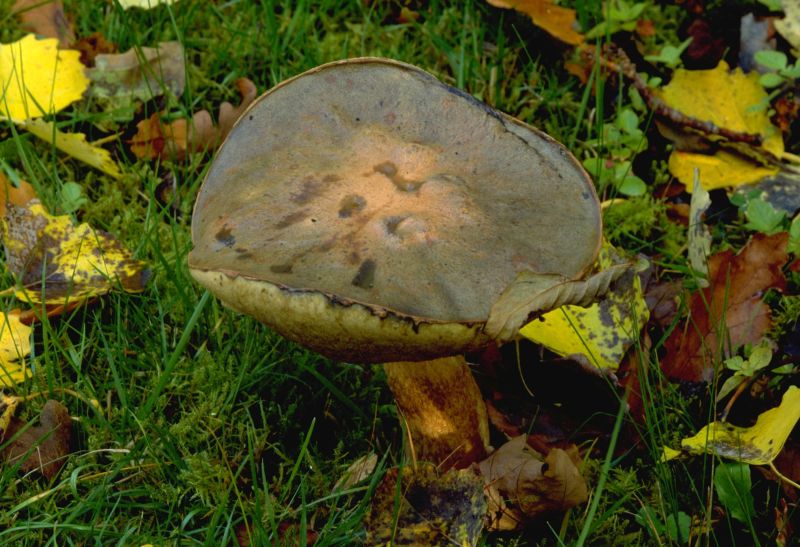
193,424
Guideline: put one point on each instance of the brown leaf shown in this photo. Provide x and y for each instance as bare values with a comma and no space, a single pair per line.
45,18
521,483
43,447
15,195
557,21
730,312
93,45
175,140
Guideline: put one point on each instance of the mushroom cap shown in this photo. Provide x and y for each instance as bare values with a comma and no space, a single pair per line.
372,213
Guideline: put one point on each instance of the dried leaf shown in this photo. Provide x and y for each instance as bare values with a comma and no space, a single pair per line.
15,344
18,195
521,483
756,445
75,145
43,447
8,406
141,73
789,26
54,261
155,138
37,79
357,472
730,311
532,292
699,240
144,4
45,18
730,101
555,20
427,508
603,331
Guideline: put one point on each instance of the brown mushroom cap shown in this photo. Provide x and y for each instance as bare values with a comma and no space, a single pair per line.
373,213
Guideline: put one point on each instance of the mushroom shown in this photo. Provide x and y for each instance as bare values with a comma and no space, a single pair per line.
373,214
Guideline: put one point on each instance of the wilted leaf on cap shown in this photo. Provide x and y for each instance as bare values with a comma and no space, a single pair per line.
54,261
522,483
15,344
75,145
555,20
533,292
43,447
141,73
36,78
427,507
757,445
730,100
728,313
602,332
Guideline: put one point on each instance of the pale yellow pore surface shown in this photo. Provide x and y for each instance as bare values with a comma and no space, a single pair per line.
369,181
342,330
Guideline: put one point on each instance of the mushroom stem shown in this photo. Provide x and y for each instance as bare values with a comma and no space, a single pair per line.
443,409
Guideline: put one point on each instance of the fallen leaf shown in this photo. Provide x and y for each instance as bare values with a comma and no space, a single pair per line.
8,406
521,483
756,445
38,79
18,195
15,344
358,471
557,21
141,73
531,293
789,26
43,447
75,145
427,507
93,45
603,331
54,261
730,312
155,138
45,18
699,237
144,4
730,102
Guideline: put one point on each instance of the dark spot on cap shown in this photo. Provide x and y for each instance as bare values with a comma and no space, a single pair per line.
392,223
331,178
292,218
351,204
225,236
389,170
365,277
281,268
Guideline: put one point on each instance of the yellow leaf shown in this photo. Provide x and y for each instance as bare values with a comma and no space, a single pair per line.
38,79
15,344
604,331
758,444
75,145
54,261
728,99
8,405
555,20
